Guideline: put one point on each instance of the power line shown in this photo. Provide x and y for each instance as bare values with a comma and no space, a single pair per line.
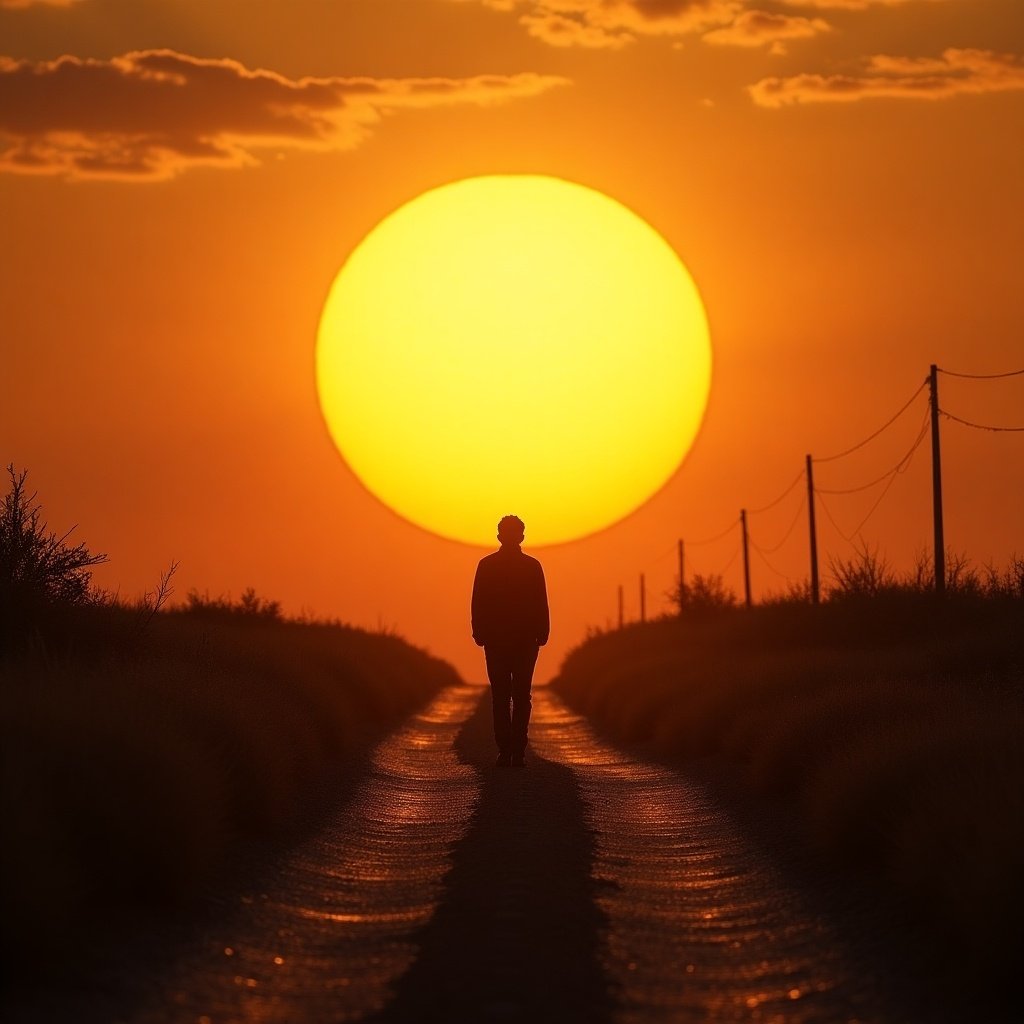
694,571
789,529
895,469
878,501
718,536
981,376
981,426
788,579
816,494
785,493
657,558
885,426
732,558
901,467
832,519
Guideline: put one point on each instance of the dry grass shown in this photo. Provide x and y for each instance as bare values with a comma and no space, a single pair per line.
894,726
136,764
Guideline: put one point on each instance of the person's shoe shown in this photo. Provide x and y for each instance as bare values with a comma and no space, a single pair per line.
518,761
504,760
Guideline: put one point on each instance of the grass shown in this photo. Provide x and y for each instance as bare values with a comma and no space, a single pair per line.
142,753
892,724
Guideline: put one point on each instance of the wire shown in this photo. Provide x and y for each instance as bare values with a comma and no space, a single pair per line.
881,429
980,376
898,468
732,558
718,536
772,504
658,558
901,467
981,426
832,520
789,529
878,501
788,579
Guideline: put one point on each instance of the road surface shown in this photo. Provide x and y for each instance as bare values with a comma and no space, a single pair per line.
590,886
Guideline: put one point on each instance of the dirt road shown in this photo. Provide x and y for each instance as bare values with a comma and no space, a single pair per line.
590,886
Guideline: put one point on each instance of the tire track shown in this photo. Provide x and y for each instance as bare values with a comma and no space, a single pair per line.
702,925
516,938
592,886
327,940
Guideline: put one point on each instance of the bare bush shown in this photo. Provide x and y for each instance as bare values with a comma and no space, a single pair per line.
866,574
965,579
36,565
250,604
961,576
796,592
702,594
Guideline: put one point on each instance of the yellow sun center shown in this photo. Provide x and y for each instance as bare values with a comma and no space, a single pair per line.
513,344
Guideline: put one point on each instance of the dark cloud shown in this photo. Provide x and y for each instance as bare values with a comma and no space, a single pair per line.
153,113
955,73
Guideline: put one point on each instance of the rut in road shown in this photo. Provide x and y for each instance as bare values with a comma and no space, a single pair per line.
331,928
594,886
590,886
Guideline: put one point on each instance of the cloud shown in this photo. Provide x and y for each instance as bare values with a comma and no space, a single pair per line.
612,24
31,3
560,30
850,5
956,73
760,28
151,114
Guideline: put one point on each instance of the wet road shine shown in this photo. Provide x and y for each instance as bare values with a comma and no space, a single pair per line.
590,886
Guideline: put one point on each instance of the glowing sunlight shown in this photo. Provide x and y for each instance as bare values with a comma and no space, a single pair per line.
513,343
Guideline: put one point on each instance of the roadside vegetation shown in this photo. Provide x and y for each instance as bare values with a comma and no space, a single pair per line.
890,720
145,745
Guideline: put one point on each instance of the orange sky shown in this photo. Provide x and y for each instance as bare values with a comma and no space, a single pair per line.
843,178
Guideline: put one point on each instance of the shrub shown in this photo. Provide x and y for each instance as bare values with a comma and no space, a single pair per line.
891,723
38,568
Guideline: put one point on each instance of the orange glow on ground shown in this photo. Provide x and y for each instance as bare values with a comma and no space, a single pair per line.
513,344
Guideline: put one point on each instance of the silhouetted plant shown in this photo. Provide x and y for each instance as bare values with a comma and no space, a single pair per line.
921,577
965,579
866,574
961,576
702,594
796,592
36,565
153,601
249,604
1005,583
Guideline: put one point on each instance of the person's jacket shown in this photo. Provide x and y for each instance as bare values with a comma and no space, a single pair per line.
510,601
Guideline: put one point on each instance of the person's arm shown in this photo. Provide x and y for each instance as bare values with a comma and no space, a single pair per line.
477,607
543,615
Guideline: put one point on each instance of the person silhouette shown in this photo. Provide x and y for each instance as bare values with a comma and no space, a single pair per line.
511,623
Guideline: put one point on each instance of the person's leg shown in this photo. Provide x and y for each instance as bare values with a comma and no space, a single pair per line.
499,673
523,663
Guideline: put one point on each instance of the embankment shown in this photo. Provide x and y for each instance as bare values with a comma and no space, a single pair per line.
892,726
139,762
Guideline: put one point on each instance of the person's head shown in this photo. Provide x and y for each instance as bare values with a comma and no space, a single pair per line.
511,530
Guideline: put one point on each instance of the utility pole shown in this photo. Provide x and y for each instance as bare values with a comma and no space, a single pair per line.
643,599
815,589
621,608
682,577
746,558
940,542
